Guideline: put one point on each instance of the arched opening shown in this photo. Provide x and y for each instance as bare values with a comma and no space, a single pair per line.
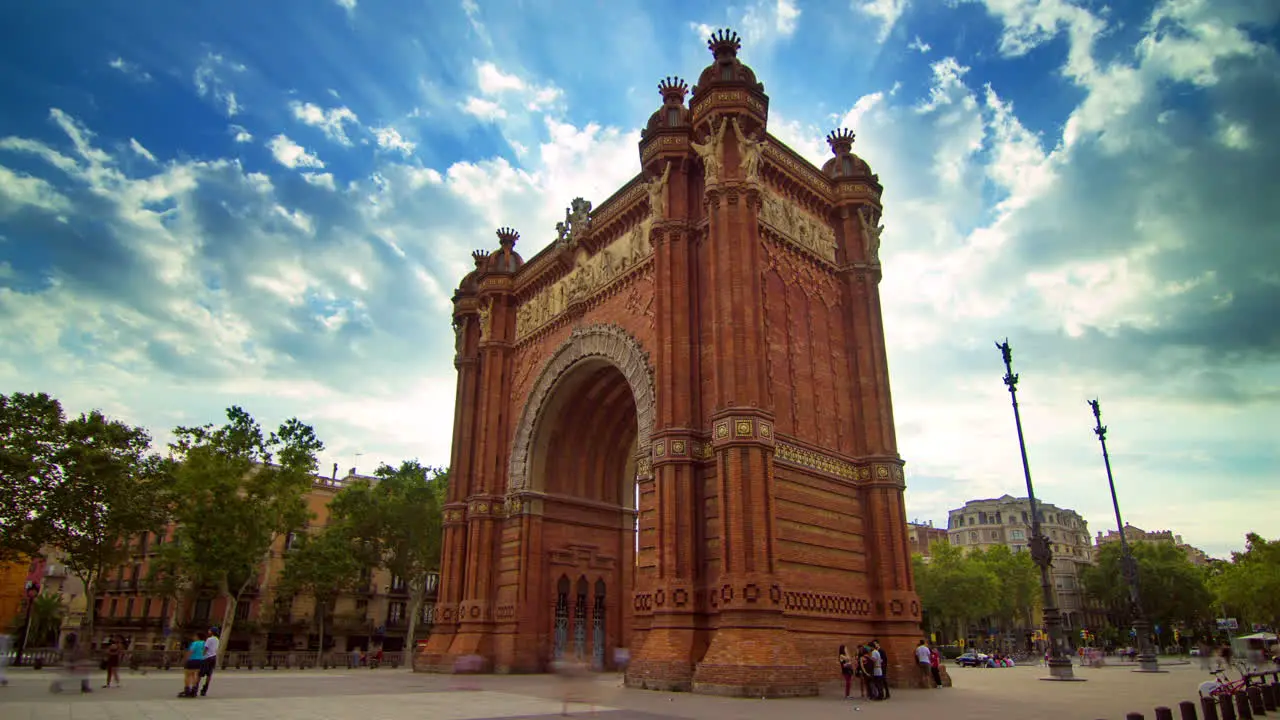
582,465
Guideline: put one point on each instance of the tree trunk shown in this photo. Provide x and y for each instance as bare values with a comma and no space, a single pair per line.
416,593
90,609
228,619
320,606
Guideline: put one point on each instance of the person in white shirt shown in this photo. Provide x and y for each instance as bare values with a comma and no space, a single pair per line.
210,663
922,661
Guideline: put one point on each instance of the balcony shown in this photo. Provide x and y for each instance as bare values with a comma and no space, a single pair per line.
131,623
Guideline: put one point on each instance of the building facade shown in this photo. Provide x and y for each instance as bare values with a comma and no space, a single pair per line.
1135,534
1006,521
373,615
712,335
922,536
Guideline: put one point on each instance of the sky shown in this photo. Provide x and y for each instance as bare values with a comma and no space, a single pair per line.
269,205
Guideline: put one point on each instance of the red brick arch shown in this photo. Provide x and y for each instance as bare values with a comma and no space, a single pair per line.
607,342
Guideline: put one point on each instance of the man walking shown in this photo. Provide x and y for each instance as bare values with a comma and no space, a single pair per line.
880,689
883,664
210,662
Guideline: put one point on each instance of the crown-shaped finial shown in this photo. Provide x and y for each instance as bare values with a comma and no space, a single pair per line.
507,237
724,43
673,89
479,256
841,141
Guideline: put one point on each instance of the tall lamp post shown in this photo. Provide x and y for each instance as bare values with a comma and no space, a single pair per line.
1059,664
1147,661
32,591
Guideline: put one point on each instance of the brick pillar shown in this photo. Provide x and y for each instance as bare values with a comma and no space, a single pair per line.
751,652
453,556
484,502
667,594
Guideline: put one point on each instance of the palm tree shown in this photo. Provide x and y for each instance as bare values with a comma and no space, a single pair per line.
46,620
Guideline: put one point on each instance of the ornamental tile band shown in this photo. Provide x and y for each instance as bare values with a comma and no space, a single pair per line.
815,461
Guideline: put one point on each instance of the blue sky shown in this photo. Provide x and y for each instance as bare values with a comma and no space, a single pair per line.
269,204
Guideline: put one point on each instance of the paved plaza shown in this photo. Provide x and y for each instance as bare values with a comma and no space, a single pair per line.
1013,693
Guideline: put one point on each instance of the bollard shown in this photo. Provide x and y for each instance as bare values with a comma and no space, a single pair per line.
1226,708
1243,711
1254,694
1187,710
1164,713
1133,716
1209,706
1271,696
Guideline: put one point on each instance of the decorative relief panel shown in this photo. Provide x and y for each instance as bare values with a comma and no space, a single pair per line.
783,159
816,461
797,226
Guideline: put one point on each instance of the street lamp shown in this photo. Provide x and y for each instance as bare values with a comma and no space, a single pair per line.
1147,661
1059,664
33,591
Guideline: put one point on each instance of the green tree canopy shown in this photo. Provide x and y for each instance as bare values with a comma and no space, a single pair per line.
1250,584
395,523
321,565
237,491
87,486
1172,590
955,589
1018,594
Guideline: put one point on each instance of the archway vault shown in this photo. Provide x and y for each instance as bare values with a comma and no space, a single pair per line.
605,342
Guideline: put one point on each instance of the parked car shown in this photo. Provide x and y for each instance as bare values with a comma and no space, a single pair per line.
972,659
1195,651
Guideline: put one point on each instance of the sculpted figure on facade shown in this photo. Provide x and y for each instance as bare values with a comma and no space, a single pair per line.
710,152
458,327
657,190
871,230
484,319
749,151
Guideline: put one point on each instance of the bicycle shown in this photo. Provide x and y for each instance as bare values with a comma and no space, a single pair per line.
1222,685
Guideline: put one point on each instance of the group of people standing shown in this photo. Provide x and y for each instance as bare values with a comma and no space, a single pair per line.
870,666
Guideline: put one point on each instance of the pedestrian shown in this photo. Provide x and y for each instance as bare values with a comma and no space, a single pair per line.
210,662
191,668
75,666
5,643
879,657
846,669
112,662
576,683
863,671
935,666
922,661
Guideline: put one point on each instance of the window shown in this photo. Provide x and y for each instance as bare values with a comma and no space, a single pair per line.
288,541
726,71
1024,518
846,162
673,117
146,607
243,609
114,601
164,608
362,604
201,610
395,612
973,536
998,520
128,607
982,518
995,534
397,584
1017,535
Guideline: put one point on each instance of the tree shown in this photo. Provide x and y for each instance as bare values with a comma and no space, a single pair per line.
46,620
1018,596
1171,589
322,566
237,491
1250,583
396,523
955,589
31,439
86,486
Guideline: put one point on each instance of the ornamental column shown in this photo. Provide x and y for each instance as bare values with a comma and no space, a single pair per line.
666,590
480,516
857,213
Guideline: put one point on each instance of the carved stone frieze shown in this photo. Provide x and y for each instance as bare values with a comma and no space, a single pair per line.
797,225
590,273
812,460
783,159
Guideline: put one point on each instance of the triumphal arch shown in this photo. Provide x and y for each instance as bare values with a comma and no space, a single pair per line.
673,431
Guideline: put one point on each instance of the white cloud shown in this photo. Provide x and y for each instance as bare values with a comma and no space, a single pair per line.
130,69
483,109
390,139
137,148
240,135
887,12
292,155
332,121
492,81
919,46
209,82
18,191
324,180
348,5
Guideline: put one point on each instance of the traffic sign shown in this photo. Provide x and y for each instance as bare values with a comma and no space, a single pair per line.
1228,624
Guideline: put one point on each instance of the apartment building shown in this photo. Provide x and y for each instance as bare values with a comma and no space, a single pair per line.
1006,521
922,535
1135,534
375,614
